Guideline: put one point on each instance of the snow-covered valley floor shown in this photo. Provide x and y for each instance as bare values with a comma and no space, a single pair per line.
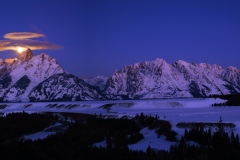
173,110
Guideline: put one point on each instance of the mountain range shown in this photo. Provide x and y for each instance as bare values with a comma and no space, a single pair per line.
41,78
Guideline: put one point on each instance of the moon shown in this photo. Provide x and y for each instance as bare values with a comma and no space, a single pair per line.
20,49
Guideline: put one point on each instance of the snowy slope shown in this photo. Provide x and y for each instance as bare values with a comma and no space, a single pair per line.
158,79
41,78
64,86
27,72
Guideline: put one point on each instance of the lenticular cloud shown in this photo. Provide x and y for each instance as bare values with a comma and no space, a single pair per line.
25,40
22,35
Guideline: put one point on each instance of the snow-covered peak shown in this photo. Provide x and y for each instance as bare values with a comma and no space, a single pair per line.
27,72
232,74
182,66
157,78
181,62
217,67
159,61
204,65
231,68
37,68
44,56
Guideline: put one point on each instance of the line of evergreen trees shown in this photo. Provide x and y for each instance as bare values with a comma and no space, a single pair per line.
218,145
15,125
232,100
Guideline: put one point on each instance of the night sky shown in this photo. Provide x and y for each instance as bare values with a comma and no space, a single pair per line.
101,36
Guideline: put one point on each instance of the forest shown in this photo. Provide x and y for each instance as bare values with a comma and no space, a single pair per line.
84,130
232,100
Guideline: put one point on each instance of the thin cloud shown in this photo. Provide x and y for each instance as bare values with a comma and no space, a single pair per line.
32,44
22,39
22,35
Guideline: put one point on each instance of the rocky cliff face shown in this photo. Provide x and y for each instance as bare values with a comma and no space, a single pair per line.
3,68
158,79
25,56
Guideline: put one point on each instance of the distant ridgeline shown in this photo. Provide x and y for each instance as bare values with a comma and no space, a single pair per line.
232,100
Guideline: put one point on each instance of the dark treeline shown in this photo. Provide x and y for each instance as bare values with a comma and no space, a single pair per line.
218,145
85,130
232,100
14,125
205,124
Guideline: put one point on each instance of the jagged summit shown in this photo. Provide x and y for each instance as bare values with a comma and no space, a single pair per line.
158,79
24,74
25,55
40,78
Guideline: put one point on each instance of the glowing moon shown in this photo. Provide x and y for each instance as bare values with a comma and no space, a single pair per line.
20,49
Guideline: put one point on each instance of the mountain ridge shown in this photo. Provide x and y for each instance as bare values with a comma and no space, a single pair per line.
158,79
41,78
24,74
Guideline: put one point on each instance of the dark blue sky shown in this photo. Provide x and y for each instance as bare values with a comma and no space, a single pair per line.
104,35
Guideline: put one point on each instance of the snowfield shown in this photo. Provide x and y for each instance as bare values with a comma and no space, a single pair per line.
43,134
173,110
